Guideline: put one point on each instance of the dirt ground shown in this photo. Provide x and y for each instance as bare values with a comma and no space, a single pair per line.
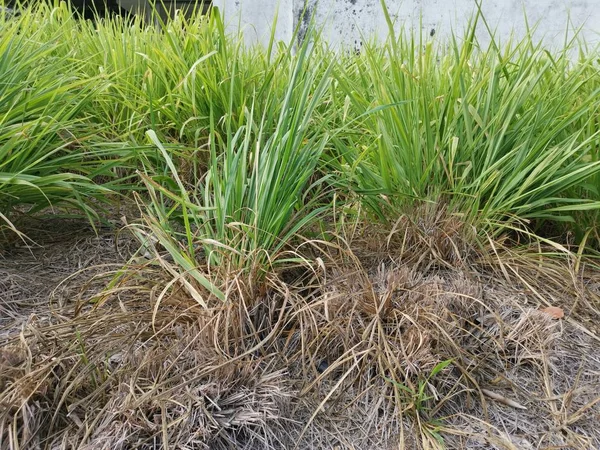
123,372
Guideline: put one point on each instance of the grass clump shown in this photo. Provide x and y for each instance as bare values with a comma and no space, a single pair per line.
500,136
253,198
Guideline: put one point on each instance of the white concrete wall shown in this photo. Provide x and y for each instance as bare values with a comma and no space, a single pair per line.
348,22
257,18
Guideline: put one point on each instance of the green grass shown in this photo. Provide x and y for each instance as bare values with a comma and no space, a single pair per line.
498,136
501,135
51,148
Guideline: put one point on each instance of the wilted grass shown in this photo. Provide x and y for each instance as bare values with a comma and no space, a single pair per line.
304,211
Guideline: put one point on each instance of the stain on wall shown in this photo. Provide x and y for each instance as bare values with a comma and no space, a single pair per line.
304,11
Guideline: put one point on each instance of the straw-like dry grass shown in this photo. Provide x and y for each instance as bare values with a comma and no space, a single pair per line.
304,362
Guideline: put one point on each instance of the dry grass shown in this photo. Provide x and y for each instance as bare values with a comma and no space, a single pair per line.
302,361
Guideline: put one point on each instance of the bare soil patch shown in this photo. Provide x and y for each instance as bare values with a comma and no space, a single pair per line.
302,364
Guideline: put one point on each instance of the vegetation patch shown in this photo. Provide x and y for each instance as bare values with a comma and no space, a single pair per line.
318,249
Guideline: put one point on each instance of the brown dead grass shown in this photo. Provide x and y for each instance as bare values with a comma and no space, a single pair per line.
301,362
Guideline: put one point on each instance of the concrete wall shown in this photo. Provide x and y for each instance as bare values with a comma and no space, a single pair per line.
257,18
348,22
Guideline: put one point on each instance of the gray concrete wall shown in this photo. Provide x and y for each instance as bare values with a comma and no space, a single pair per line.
348,22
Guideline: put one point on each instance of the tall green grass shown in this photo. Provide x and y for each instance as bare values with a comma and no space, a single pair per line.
254,196
500,136
50,152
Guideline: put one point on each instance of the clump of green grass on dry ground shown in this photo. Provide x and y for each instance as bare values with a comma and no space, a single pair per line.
349,250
